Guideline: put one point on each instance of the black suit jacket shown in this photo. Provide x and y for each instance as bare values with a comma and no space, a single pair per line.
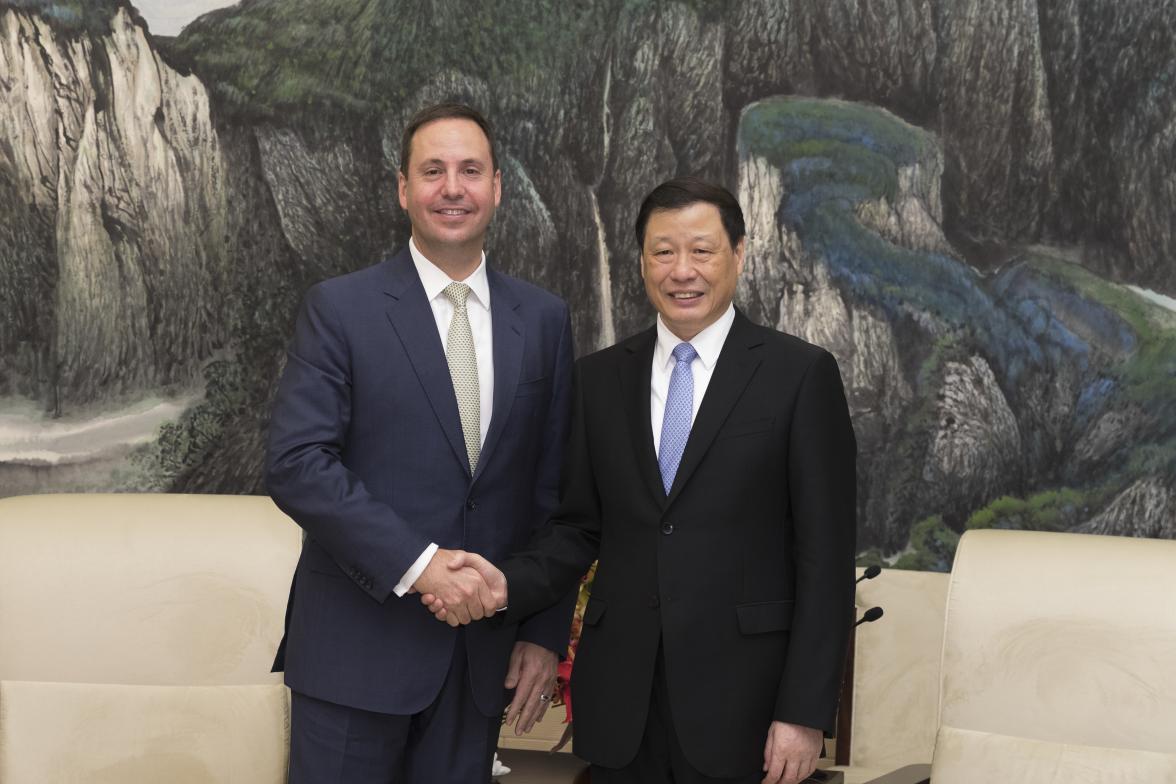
743,574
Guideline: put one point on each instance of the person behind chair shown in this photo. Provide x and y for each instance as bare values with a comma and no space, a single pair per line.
423,408
711,469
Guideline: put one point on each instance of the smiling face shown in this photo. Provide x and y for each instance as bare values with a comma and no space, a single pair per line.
689,267
450,191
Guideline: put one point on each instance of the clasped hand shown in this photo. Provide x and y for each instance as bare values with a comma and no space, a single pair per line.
459,587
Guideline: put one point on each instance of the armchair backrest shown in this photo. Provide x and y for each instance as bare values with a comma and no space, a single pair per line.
1059,660
147,589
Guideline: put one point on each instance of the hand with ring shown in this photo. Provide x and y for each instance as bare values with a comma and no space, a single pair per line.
530,673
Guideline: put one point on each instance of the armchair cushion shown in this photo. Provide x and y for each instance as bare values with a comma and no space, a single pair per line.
985,757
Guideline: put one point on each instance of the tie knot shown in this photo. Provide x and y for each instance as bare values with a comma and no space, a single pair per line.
457,293
684,352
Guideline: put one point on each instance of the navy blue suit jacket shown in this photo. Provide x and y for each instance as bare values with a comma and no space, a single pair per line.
366,453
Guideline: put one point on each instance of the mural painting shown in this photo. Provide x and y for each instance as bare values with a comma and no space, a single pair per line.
968,201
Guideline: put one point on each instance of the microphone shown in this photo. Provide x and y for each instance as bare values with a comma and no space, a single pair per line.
870,573
870,615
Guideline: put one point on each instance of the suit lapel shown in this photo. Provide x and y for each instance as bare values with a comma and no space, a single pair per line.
412,318
737,363
635,370
509,338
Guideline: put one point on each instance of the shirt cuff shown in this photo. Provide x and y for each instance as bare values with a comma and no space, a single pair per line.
414,571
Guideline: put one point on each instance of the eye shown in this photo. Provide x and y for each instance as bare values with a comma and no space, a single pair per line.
473,171
431,172
703,251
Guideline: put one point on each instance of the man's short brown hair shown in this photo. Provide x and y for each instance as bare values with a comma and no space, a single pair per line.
444,111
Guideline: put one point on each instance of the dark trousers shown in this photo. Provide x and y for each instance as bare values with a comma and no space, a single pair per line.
660,759
450,742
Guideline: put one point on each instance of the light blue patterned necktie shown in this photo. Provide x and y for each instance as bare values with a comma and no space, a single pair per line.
676,421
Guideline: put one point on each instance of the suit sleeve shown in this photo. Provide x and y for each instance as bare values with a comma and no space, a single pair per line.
822,483
305,473
551,628
560,553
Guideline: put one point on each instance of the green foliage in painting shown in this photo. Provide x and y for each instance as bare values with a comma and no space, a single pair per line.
1052,510
364,57
1149,373
270,58
184,443
932,546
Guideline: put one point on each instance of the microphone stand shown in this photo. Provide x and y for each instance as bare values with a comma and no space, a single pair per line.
845,704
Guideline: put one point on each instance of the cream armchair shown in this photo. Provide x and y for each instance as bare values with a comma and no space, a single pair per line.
1059,661
895,674
136,637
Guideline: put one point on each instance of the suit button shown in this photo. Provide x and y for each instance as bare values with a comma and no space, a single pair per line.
471,504
654,602
667,528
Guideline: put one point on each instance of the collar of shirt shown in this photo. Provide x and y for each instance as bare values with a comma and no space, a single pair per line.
708,343
435,280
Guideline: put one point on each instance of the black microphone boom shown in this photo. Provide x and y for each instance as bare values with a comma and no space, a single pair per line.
870,573
870,615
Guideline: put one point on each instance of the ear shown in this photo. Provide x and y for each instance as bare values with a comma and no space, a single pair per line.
402,189
497,187
740,248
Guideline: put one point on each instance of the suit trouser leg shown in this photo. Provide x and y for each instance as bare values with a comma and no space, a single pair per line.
660,759
336,744
450,742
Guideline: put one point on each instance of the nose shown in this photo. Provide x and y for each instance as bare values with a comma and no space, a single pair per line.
452,187
683,267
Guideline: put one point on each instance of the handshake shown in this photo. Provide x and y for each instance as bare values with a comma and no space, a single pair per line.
459,587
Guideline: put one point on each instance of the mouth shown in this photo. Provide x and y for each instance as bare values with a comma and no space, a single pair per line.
452,212
684,296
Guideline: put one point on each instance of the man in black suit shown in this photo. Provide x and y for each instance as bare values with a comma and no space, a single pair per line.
711,469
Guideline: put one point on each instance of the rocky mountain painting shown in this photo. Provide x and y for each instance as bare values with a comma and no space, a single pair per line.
972,203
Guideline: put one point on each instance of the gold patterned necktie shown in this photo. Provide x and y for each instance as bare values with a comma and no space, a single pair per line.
463,369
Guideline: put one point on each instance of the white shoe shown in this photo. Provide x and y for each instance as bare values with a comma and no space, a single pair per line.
498,769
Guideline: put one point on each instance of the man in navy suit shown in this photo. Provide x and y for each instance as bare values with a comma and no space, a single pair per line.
423,410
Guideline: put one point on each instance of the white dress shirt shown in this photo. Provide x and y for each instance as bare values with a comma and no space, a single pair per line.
478,311
707,344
